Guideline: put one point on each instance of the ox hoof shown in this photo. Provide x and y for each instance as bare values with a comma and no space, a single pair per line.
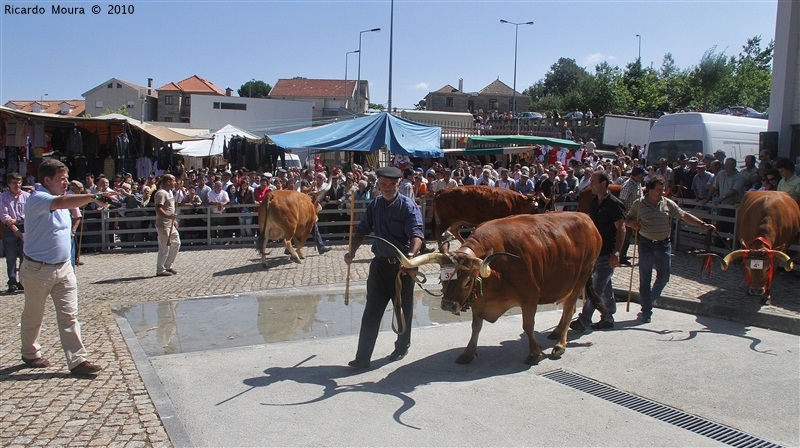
558,350
533,360
554,336
465,359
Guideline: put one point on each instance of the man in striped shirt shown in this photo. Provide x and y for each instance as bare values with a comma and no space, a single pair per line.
631,192
652,217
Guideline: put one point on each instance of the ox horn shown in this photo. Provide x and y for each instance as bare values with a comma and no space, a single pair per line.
735,255
485,271
434,257
783,258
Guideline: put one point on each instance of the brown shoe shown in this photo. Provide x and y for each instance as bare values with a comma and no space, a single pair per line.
171,270
165,274
38,363
86,368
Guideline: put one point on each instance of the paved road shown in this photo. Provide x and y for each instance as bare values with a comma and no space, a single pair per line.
47,407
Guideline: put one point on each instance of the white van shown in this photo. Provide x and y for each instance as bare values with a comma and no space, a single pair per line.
293,161
693,132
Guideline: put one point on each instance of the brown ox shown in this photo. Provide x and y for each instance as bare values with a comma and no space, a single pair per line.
586,197
535,259
474,204
286,215
767,223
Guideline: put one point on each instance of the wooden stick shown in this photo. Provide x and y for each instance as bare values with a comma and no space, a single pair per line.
350,248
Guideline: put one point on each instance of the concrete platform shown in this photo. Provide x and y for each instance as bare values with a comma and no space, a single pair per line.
301,393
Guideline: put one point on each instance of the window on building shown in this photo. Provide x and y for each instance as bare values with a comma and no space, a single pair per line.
168,119
492,104
449,102
167,99
230,106
188,100
119,86
110,85
98,104
129,105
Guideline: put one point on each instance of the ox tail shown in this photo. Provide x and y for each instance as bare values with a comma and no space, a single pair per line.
262,224
594,298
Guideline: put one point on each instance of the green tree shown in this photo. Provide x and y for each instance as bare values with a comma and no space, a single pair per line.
420,105
564,75
752,76
254,89
711,80
377,106
122,111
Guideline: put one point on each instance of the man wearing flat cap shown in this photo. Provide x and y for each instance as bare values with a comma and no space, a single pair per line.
395,218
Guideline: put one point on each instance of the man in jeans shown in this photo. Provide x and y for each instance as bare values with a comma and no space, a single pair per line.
608,214
12,213
652,217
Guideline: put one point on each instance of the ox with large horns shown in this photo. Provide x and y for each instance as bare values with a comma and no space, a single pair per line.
534,259
767,223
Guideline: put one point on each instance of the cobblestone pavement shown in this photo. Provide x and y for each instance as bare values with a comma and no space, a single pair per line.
48,407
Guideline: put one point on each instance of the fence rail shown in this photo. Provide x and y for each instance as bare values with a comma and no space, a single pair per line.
116,230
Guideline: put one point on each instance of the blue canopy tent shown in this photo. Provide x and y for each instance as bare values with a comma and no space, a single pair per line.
367,134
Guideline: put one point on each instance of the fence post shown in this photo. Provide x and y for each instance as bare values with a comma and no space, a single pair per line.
103,230
208,226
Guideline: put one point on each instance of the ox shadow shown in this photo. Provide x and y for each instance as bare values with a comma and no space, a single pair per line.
493,361
714,325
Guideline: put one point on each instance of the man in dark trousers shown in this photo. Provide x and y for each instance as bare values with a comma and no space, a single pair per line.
395,218
608,214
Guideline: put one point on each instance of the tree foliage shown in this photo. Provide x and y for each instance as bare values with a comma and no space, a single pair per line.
716,82
254,89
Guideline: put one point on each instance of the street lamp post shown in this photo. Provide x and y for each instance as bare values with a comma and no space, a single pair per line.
639,36
514,94
346,96
358,82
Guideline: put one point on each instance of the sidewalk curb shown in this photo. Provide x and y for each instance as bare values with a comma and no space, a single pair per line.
762,319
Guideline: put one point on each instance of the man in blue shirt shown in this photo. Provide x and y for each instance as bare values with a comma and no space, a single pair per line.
395,218
47,269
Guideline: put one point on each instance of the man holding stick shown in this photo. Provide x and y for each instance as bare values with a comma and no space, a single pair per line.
169,241
396,218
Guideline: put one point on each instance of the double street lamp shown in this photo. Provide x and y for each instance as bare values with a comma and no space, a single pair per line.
516,34
346,95
358,82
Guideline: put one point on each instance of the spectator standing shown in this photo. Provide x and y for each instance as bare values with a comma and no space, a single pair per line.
630,192
701,183
169,240
505,181
217,200
12,212
245,196
407,184
525,185
750,173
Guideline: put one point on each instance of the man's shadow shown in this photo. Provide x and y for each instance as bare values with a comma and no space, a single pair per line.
505,359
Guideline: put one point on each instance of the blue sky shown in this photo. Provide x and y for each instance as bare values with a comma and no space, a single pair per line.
435,42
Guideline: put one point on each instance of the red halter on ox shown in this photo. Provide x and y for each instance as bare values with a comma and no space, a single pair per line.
765,253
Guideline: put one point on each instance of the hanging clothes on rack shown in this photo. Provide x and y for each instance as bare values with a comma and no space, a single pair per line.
75,142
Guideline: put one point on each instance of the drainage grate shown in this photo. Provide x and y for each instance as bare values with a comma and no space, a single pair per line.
698,425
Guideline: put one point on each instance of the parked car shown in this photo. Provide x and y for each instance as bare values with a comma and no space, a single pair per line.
530,116
742,111
578,115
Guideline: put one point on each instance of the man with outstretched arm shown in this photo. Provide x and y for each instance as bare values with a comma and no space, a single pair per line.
47,270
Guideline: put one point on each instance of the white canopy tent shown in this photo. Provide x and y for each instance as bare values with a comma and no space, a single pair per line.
214,145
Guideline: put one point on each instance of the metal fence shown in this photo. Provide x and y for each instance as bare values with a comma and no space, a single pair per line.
118,230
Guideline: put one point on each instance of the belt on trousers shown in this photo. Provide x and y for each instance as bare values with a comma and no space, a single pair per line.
42,262
658,242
